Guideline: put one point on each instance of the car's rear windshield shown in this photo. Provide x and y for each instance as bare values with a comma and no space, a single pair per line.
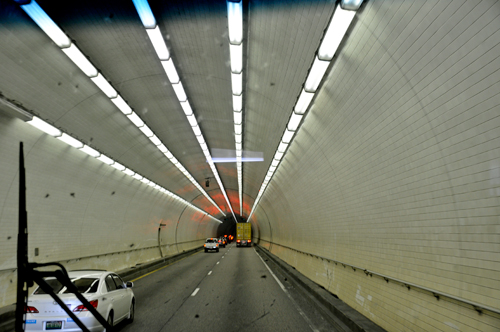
211,241
84,285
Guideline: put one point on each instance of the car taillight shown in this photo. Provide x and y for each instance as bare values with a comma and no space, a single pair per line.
216,244
237,240
81,307
31,310
204,245
249,241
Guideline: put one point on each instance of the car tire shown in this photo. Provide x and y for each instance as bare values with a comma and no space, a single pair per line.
131,313
110,320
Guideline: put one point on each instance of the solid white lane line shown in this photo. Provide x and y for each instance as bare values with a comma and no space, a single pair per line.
309,322
209,273
195,291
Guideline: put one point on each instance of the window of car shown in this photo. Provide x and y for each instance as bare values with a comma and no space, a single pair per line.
110,284
118,281
84,286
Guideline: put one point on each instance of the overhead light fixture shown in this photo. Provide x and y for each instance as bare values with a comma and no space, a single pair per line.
156,141
237,83
335,33
179,91
80,60
316,74
351,4
236,56
145,13
91,152
168,66
235,20
136,120
287,136
294,121
192,120
104,85
186,108
238,117
70,141
118,166
128,172
122,105
237,103
106,159
158,43
305,99
238,129
44,126
196,130
46,24
146,130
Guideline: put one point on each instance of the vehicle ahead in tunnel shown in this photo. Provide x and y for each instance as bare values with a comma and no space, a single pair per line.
244,234
105,290
211,243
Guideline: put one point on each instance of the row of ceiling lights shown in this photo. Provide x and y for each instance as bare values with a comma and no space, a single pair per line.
340,22
235,26
71,50
155,35
55,132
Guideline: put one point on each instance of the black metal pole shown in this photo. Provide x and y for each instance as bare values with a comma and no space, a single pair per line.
22,247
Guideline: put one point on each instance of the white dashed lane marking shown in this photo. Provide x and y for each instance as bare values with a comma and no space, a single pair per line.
195,291
209,273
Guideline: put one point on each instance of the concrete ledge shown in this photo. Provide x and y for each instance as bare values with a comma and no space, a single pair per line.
349,318
7,313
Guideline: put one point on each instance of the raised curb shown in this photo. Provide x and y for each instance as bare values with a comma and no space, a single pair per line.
348,316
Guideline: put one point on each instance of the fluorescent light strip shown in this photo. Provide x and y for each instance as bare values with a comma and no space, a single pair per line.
333,37
235,26
44,126
80,60
46,24
158,42
235,21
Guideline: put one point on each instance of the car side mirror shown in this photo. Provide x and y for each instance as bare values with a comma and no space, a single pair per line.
130,284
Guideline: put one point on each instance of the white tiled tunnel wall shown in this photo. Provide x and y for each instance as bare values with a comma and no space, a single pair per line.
82,212
396,168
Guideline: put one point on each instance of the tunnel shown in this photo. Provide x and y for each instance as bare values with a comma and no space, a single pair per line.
365,155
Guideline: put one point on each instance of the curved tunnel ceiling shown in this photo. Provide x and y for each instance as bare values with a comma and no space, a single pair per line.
49,85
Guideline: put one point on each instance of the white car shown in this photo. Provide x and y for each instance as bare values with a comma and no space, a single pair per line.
105,290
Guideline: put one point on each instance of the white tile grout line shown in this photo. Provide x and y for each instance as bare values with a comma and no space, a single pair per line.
311,325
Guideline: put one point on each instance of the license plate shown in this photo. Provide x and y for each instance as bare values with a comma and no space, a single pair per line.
54,325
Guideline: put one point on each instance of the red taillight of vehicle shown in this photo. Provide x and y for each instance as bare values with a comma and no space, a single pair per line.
30,310
237,241
81,307
216,244
219,241
249,241
205,245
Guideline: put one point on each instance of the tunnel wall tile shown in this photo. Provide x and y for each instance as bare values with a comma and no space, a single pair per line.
396,166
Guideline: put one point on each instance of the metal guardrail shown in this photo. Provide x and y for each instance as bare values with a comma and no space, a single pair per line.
437,294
